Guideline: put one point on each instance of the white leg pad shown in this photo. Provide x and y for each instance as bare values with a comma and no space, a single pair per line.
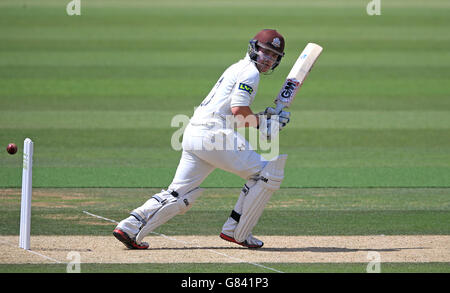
257,197
151,206
232,221
167,209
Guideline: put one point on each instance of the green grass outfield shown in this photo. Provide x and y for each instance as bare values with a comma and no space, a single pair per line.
370,128
292,211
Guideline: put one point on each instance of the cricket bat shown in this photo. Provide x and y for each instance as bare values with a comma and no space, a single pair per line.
297,76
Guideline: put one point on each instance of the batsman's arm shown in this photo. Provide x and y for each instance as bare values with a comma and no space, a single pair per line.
245,116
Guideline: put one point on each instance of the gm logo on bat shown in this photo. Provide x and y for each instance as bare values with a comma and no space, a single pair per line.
290,88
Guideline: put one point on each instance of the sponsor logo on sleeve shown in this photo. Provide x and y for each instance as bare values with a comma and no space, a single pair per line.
245,87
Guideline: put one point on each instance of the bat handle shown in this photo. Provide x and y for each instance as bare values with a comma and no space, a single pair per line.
279,108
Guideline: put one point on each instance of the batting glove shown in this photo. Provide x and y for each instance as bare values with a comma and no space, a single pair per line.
283,117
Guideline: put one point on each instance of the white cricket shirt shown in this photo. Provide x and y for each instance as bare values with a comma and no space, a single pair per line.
236,87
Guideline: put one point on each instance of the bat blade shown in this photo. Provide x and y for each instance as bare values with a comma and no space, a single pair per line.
297,75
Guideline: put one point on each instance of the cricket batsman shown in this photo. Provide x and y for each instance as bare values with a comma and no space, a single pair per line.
231,96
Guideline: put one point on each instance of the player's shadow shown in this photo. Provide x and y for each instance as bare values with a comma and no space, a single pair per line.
292,249
334,249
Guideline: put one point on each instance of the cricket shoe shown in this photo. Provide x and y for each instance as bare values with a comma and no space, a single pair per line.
250,242
129,242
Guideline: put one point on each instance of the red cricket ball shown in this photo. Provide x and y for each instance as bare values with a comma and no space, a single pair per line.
12,148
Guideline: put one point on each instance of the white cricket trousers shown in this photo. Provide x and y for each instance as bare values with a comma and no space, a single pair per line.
207,149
